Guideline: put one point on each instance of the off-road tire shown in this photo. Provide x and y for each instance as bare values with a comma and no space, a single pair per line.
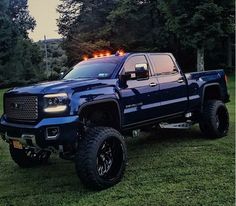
214,121
21,158
87,158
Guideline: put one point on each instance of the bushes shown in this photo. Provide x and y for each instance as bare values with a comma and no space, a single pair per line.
23,65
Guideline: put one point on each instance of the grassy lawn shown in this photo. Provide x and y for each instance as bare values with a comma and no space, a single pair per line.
166,168
1,102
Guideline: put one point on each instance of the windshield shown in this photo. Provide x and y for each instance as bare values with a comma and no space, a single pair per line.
92,70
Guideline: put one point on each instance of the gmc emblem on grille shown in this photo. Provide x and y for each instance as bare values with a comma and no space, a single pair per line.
16,106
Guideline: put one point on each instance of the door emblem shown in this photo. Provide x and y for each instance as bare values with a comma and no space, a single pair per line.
134,105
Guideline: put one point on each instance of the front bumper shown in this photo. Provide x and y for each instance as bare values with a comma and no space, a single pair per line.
68,128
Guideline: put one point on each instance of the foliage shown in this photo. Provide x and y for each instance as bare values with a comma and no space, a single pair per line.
19,57
198,23
83,23
150,25
138,26
6,33
19,14
22,64
57,59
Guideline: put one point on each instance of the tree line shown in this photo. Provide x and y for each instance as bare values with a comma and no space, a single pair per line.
199,33
191,30
22,61
19,57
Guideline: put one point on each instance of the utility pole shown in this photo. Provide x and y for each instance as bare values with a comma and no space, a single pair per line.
46,55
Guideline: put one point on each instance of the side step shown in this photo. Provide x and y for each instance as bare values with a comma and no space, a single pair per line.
181,125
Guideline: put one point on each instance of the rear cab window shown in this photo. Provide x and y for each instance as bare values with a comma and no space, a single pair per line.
163,64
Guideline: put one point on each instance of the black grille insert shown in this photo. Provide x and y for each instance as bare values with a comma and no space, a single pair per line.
22,108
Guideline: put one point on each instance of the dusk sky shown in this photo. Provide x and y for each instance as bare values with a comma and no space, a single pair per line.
44,12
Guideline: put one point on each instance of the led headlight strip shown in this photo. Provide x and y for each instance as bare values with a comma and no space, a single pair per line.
55,102
56,95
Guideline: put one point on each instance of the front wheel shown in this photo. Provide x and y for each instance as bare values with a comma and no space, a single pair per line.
214,122
101,158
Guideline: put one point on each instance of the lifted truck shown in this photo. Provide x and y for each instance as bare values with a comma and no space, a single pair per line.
85,115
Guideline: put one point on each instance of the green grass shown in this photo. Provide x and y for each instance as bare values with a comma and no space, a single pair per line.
166,168
1,102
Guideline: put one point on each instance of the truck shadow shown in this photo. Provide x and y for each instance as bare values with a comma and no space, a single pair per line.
168,136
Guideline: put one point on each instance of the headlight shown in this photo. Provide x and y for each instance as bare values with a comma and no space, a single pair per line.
55,102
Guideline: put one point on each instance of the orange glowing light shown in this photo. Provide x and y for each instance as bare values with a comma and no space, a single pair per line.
108,54
85,58
101,55
121,52
95,56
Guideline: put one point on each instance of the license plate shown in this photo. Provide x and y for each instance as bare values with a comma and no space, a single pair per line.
17,144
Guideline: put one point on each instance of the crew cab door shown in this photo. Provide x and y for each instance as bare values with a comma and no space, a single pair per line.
138,97
173,87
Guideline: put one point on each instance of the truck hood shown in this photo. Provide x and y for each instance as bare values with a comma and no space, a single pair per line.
60,86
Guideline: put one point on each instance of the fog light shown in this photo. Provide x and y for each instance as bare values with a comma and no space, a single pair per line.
52,132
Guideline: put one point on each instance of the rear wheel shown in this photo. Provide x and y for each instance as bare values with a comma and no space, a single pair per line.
101,158
214,121
27,158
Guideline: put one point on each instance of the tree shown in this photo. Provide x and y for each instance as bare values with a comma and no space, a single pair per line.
83,23
197,24
23,66
181,27
137,25
19,14
69,11
15,21
6,33
93,25
57,58
19,57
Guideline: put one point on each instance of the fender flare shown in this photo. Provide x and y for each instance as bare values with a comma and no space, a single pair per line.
204,89
83,106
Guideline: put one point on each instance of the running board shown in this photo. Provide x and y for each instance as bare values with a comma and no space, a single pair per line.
181,125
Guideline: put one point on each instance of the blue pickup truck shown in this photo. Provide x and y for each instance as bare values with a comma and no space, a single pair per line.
85,115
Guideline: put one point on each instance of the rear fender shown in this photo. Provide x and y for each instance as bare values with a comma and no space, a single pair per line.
207,86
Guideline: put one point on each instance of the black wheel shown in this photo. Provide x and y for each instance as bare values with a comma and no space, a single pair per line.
101,158
27,158
214,122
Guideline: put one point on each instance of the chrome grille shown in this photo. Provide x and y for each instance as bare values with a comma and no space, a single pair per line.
21,108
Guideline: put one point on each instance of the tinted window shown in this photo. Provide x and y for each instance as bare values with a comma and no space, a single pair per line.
163,64
136,63
92,70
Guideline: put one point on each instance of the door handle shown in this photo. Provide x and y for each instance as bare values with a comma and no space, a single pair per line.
153,84
180,80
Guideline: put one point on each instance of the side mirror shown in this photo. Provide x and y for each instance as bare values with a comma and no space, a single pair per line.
124,78
138,74
141,73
